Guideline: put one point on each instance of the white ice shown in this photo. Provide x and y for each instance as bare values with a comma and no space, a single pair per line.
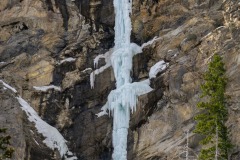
46,88
124,98
125,95
158,67
133,50
120,103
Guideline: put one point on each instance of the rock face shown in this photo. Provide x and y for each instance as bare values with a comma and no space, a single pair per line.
25,139
37,37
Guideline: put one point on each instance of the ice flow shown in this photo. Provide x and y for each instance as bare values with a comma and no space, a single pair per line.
123,99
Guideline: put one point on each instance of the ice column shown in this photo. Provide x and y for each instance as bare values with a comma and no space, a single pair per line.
122,64
124,98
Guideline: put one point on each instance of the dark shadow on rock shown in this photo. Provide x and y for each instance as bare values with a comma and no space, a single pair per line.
22,42
62,5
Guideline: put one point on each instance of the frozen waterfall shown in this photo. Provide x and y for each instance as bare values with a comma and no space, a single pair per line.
123,99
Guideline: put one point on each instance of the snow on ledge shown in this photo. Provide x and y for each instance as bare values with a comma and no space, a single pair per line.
53,138
150,42
8,87
107,57
158,67
46,88
70,59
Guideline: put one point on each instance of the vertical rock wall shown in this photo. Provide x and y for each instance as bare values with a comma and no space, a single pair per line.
36,35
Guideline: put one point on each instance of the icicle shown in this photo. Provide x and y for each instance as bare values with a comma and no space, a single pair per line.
107,58
92,79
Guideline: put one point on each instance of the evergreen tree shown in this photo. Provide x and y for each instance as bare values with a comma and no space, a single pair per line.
5,150
214,114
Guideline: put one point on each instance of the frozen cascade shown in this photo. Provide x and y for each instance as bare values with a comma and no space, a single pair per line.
123,99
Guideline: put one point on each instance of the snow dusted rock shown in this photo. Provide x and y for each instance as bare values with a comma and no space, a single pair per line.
24,136
32,44
46,88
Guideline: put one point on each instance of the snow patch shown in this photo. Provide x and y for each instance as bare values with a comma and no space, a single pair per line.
126,96
150,42
70,59
106,56
53,138
46,88
8,87
96,72
136,49
206,36
87,70
36,141
158,67
220,27
31,131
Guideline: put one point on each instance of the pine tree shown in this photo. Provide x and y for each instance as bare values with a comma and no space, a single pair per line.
214,114
5,150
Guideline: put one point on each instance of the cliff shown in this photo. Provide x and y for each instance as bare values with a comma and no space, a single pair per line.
54,42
